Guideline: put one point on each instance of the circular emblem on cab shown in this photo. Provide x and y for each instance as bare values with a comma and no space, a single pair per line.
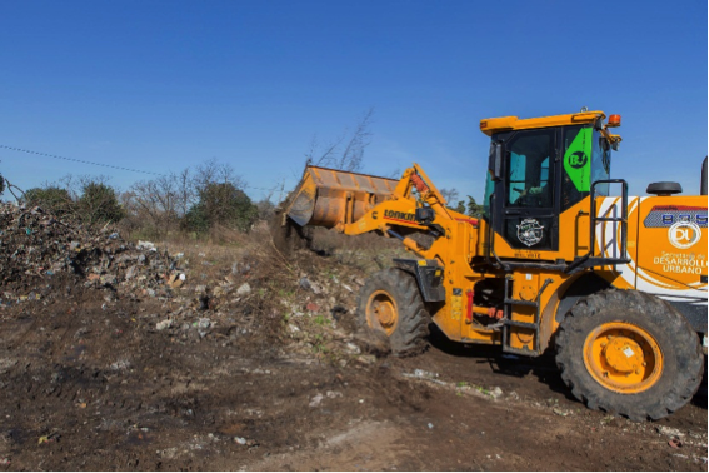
530,232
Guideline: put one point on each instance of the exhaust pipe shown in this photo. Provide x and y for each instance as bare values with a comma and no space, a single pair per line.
703,182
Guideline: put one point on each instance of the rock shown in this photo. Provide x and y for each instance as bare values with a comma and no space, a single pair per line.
315,402
167,323
121,364
293,328
146,245
359,281
312,307
367,359
244,289
347,287
176,280
132,271
204,324
669,431
338,312
496,393
419,373
304,283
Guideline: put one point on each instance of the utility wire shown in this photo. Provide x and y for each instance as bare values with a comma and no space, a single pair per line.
82,161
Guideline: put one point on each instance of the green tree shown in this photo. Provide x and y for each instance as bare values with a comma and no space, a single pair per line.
221,204
461,207
51,198
474,210
98,203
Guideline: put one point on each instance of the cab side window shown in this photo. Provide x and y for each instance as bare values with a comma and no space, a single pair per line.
527,177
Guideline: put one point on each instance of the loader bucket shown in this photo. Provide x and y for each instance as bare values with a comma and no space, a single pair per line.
327,197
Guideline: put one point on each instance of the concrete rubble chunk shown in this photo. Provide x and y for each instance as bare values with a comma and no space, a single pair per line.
244,289
304,283
165,324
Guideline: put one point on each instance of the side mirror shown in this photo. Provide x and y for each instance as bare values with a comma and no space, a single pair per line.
495,165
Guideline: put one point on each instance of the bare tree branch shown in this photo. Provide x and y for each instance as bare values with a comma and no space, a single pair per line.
348,157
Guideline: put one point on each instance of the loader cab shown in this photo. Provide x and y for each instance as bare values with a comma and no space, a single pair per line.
540,168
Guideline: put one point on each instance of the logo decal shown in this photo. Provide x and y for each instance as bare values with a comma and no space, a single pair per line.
684,234
530,232
578,160
396,215
663,216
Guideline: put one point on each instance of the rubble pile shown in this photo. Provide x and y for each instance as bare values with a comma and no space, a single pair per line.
44,256
36,246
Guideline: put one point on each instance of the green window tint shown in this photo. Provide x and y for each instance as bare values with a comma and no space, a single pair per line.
527,170
577,159
576,177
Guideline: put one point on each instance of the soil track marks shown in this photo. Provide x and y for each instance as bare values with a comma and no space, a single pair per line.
89,388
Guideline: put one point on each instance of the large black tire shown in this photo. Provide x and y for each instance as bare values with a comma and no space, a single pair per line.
682,357
409,335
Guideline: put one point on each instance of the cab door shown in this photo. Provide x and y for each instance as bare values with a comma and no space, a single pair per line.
526,197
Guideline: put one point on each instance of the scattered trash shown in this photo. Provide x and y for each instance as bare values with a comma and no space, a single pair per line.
562,412
165,324
51,438
120,365
315,402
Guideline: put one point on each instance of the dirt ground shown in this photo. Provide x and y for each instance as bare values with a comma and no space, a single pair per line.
87,385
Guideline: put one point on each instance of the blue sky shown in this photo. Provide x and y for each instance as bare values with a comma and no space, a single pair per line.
160,86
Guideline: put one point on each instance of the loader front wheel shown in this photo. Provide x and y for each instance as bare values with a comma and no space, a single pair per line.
629,353
390,302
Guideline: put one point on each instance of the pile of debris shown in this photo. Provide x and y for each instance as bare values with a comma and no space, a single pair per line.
43,257
36,246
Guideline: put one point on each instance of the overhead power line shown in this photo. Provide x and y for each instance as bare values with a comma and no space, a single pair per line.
82,161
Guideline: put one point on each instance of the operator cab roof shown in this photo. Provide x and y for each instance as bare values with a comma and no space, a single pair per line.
491,126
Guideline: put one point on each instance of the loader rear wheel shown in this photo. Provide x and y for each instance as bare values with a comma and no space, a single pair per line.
390,302
629,353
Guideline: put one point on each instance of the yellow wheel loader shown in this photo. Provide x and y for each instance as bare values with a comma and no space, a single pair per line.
563,258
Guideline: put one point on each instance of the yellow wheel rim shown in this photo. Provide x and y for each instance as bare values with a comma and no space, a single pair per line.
623,357
382,312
